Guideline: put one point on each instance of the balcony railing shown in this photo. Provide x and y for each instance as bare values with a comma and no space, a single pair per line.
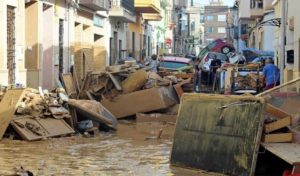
127,4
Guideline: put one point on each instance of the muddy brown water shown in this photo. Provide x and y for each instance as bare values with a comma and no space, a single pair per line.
132,150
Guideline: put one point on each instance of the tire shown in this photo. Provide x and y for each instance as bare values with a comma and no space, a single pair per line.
225,49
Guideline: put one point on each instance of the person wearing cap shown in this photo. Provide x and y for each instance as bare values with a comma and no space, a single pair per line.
271,74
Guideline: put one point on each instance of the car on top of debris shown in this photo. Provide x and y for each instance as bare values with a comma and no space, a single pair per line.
175,63
251,54
218,46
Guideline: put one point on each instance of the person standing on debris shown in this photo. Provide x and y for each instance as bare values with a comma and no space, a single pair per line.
271,74
153,65
214,65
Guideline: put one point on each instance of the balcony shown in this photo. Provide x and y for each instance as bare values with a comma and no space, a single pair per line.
152,16
149,6
256,12
256,8
123,11
96,5
268,5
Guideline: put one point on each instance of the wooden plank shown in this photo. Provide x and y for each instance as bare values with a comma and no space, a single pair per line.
178,87
280,137
209,127
115,81
48,127
277,112
185,75
73,120
278,87
8,106
289,152
69,85
75,79
278,124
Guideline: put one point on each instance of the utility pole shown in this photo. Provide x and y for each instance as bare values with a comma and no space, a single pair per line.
282,46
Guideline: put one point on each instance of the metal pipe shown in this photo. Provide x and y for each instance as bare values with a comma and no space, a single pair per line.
282,46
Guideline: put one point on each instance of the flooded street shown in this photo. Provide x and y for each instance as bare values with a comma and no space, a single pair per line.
132,150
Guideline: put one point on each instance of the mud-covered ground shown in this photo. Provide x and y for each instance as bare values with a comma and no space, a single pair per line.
132,150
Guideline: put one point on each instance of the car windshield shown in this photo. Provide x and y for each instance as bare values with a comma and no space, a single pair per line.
172,65
221,57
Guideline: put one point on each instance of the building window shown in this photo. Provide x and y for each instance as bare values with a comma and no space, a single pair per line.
221,30
210,29
193,26
210,18
290,56
98,21
222,18
202,20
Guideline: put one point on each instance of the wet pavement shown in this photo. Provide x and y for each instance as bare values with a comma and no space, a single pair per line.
132,150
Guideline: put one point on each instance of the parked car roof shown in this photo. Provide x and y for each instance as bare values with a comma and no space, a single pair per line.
176,59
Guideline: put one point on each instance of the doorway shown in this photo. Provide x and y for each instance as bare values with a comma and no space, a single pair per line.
116,48
11,62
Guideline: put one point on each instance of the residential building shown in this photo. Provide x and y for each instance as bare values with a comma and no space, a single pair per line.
62,34
141,42
12,43
256,24
180,19
292,35
121,13
196,27
233,25
163,37
215,21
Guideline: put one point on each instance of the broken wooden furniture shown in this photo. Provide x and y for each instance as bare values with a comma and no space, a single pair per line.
95,111
283,102
218,133
34,114
281,120
69,84
8,107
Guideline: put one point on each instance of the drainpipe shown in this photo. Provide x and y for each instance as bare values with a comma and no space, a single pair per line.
67,4
282,46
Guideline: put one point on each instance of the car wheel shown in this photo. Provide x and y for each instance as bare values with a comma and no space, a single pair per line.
225,50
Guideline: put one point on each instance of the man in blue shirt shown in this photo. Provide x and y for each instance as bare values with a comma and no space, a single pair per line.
271,74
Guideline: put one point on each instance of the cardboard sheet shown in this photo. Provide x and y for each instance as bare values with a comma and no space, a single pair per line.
141,101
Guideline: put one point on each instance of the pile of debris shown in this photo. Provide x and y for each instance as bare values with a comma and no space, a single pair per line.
249,81
125,90
94,103
34,114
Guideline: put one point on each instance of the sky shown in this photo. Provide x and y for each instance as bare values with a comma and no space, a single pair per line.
226,2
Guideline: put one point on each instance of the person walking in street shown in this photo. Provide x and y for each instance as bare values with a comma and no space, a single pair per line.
271,74
153,65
